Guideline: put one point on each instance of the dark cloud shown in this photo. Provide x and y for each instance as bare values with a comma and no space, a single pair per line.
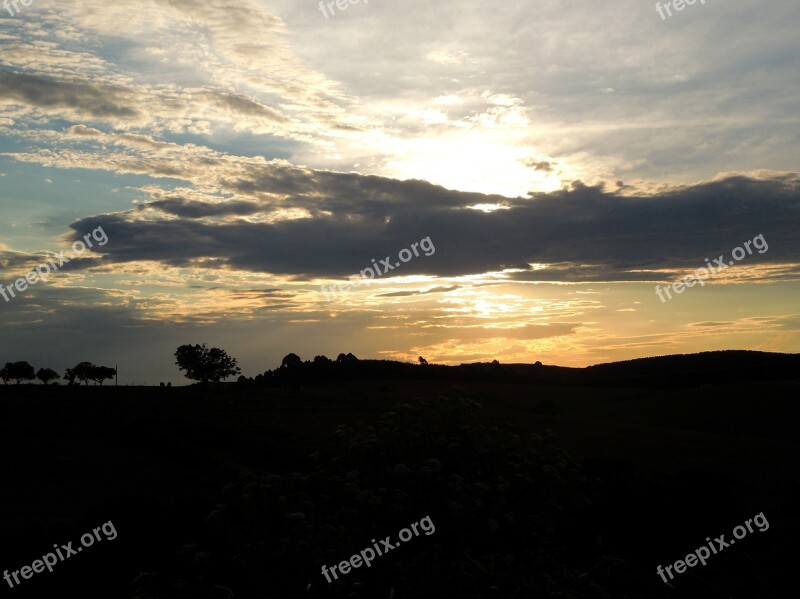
583,233
48,92
261,293
82,263
195,209
441,289
14,261
242,105
15,265
542,165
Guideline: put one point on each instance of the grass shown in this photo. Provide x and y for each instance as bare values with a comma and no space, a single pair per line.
568,491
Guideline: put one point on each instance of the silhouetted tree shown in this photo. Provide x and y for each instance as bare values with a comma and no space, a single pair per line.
100,373
83,372
69,376
19,371
204,364
422,361
346,358
291,361
47,374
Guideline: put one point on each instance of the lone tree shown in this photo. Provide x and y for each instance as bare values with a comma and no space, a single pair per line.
204,364
100,373
422,361
83,372
19,371
46,375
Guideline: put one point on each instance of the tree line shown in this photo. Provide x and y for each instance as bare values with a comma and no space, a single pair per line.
214,365
82,372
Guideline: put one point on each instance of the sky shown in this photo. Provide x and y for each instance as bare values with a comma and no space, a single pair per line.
553,162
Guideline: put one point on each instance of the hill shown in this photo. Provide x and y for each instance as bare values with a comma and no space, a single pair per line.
535,487
674,370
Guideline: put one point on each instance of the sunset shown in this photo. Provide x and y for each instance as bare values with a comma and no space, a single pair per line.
206,195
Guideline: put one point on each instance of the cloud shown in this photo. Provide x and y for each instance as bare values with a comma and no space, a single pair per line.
440,289
194,209
581,234
527,332
541,165
212,68
83,98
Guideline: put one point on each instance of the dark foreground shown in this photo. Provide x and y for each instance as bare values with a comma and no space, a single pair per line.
534,490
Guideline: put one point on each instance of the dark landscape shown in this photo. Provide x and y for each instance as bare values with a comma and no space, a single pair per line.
541,481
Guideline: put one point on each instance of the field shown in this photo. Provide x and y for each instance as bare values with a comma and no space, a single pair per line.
535,490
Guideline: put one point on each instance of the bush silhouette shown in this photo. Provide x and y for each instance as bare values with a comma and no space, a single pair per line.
47,374
18,371
291,361
205,364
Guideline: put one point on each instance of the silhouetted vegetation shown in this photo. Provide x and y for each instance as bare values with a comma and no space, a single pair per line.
648,372
205,364
541,481
46,375
84,372
17,371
